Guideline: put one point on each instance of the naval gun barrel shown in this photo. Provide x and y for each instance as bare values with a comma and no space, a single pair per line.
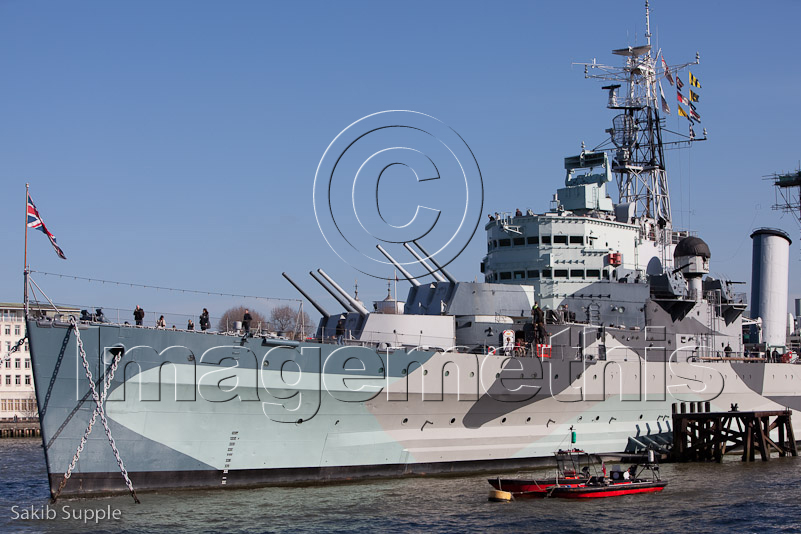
412,280
337,296
320,309
441,269
428,268
353,302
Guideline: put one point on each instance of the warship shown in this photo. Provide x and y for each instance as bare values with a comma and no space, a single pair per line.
461,377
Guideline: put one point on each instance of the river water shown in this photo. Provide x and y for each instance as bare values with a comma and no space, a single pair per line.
731,497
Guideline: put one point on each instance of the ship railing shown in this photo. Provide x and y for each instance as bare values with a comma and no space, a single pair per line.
123,317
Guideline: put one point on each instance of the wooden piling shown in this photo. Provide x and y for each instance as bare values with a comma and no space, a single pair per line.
705,436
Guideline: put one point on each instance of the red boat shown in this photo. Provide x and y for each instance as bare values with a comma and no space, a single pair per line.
572,483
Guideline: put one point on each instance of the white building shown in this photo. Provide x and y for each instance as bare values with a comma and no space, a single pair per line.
17,396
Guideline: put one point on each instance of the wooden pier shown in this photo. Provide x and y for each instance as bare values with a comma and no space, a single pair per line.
702,436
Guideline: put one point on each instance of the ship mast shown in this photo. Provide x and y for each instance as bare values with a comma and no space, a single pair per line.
638,156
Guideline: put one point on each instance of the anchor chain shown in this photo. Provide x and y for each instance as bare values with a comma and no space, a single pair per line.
99,410
13,349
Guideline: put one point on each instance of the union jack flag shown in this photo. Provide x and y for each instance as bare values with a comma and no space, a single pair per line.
35,222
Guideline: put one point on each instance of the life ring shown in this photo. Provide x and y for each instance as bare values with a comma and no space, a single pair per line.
491,350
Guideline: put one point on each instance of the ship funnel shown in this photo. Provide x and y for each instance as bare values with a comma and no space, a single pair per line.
320,309
769,281
353,302
337,296
439,267
412,280
428,268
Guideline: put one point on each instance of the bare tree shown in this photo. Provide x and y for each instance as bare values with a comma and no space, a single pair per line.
29,409
286,319
236,314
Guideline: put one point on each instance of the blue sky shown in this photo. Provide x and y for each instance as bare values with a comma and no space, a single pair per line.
175,143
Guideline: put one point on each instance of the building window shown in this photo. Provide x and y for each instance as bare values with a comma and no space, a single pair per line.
560,240
593,273
17,406
576,239
560,273
506,276
27,380
533,240
17,380
519,275
8,364
545,239
3,405
505,242
519,241
546,273
8,380
16,330
8,346
533,274
27,363
576,273
17,363
8,330
495,276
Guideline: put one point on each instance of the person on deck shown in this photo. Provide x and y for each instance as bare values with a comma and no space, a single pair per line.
340,332
538,318
246,321
139,315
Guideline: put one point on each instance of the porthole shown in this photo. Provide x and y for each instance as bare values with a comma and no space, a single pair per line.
595,377
556,377
405,420
640,416
381,370
453,420
503,420
472,374
425,372
597,417
497,375
336,422
580,417
447,373
403,371
528,419
266,363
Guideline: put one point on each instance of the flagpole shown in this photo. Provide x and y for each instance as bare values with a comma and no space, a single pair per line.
25,257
